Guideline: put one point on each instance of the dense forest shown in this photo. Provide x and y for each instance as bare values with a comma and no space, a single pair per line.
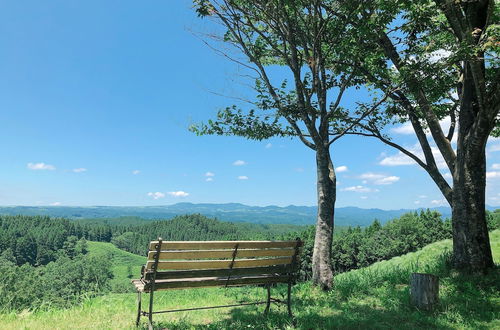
45,260
48,259
359,247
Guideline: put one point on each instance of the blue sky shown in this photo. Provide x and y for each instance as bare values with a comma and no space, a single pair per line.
96,98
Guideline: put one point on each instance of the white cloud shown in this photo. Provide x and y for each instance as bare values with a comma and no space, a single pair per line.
416,202
55,204
438,55
378,179
422,196
495,166
179,193
341,169
493,175
438,202
494,148
405,129
210,174
156,195
135,172
41,166
447,175
209,179
243,177
359,189
364,197
269,145
397,160
401,159
239,163
79,170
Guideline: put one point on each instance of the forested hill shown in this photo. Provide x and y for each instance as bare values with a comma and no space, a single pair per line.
298,215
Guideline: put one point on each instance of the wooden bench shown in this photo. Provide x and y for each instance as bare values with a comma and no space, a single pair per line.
195,264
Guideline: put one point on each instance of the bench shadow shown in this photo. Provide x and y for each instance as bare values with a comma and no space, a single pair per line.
390,310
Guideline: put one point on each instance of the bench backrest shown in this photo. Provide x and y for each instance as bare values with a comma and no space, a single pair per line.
242,261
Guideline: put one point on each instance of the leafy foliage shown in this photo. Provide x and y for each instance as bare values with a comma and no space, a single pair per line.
356,247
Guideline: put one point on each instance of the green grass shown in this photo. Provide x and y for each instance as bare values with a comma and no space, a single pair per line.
125,265
375,297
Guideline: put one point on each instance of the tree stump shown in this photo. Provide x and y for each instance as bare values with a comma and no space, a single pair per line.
424,291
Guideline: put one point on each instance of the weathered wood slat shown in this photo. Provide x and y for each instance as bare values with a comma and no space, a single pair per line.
228,254
208,245
215,264
179,274
218,281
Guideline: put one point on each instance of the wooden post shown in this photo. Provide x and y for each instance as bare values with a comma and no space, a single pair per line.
424,291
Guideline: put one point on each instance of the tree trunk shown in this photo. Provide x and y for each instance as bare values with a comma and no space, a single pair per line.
326,186
471,244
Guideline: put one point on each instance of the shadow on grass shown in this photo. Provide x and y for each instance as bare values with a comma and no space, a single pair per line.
465,302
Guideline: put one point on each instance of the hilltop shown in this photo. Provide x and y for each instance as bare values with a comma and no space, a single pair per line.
371,297
234,212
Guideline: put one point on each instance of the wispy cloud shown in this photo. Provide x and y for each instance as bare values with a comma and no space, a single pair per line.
41,167
401,159
243,177
341,169
209,179
135,172
269,145
438,202
405,129
239,163
359,189
156,195
79,170
379,179
210,174
55,204
492,174
495,166
179,193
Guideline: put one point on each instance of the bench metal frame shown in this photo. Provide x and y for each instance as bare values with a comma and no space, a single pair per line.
149,314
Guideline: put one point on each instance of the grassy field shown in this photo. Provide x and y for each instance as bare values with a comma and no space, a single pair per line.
375,297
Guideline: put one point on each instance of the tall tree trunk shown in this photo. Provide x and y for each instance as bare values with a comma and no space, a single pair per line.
326,185
471,244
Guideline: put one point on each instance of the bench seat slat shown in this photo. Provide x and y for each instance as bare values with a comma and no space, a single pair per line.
180,274
214,264
228,254
208,245
218,281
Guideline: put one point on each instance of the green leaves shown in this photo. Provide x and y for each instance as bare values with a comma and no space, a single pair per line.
233,121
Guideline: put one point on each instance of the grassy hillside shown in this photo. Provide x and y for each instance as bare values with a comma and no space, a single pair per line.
125,265
375,297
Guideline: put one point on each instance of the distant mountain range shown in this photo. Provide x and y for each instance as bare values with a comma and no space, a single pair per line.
297,215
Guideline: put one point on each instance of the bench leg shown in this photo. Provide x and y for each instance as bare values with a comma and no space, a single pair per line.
268,299
150,314
289,304
289,299
138,309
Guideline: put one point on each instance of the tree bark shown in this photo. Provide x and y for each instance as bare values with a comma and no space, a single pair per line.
326,186
471,244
